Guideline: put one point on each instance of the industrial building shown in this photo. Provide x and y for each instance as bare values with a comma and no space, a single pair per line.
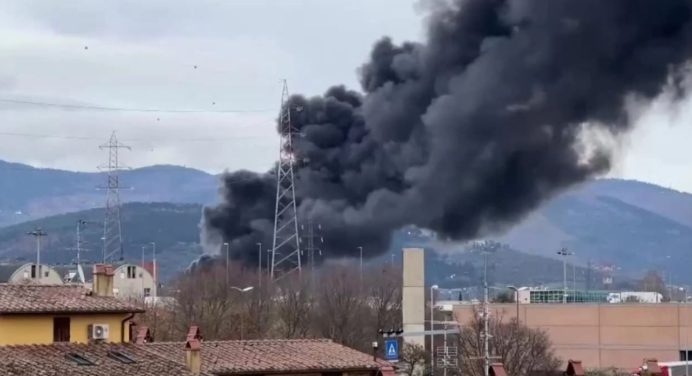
603,335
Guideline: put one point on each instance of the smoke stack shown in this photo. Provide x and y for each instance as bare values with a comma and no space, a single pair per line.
503,105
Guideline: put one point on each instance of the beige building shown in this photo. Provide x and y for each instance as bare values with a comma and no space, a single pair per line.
604,335
133,282
413,294
29,273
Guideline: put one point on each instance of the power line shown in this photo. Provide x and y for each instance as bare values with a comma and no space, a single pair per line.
127,109
132,140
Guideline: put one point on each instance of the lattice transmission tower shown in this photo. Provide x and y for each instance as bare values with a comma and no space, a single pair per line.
286,244
112,227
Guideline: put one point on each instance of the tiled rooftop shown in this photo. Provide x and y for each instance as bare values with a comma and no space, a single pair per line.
53,360
57,299
270,356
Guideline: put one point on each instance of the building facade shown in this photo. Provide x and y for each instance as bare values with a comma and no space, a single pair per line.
133,282
30,273
603,335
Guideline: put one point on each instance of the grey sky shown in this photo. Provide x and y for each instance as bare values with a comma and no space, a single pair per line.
142,54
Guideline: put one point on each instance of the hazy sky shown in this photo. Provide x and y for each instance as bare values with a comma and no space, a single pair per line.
142,54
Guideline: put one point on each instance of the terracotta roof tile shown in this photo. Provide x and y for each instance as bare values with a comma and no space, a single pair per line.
57,299
51,360
270,356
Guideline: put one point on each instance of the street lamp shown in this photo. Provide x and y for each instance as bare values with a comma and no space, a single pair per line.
516,298
259,265
564,253
241,291
432,327
361,265
227,252
153,265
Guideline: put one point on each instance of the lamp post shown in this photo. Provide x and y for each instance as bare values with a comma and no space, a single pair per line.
516,298
241,291
259,265
227,252
432,327
361,265
564,253
153,266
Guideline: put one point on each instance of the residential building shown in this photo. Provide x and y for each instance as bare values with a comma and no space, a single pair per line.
30,273
192,357
44,314
133,282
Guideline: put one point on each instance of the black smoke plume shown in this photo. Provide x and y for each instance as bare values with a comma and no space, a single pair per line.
505,104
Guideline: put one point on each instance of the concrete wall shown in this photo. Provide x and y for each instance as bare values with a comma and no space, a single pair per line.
413,294
604,335
38,329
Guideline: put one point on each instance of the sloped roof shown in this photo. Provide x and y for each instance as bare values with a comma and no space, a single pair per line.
57,299
52,360
271,356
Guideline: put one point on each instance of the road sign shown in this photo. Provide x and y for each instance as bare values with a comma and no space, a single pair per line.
391,349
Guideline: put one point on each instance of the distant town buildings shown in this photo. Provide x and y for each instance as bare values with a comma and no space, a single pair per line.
131,281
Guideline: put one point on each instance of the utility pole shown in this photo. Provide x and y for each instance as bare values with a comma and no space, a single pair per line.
360,248
227,246
38,233
486,318
259,265
564,253
112,227
311,249
286,253
80,224
153,266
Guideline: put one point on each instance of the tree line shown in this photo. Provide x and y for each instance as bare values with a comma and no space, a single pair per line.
333,303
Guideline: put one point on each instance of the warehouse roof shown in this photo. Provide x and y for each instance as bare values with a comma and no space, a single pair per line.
19,298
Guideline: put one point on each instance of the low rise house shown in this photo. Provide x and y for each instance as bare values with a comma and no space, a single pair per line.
44,314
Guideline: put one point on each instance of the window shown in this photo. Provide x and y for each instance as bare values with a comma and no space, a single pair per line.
131,272
61,329
33,271
147,291
80,360
121,357
45,274
684,353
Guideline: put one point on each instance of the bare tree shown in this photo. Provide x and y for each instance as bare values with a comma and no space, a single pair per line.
294,307
383,284
342,309
522,350
413,357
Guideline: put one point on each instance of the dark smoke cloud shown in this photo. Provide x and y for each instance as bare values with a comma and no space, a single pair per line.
472,129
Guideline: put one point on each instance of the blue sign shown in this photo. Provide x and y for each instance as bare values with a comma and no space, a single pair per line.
391,349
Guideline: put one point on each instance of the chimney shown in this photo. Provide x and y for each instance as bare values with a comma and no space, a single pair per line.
193,359
103,280
497,369
143,336
574,368
194,333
